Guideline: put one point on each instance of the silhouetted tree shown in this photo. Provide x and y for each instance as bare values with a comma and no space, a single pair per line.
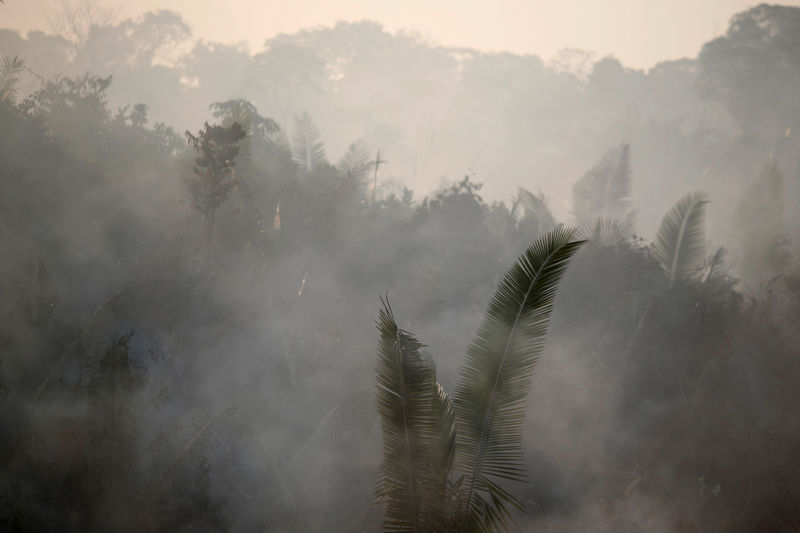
214,177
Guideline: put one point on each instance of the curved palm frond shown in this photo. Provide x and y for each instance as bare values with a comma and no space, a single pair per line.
535,209
490,395
605,190
418,429
680,242
307,148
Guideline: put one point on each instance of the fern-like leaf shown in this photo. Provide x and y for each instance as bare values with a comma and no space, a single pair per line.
680,242
418,427
307,148
356,161
490,395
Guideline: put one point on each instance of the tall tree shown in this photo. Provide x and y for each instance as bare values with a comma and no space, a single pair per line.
214,177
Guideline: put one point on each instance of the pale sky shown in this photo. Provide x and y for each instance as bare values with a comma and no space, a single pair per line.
639,33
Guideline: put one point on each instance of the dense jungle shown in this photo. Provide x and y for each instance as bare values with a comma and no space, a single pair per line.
358,281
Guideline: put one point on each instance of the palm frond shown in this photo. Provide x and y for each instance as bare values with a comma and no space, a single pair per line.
712,264
10,69
680,242
535,209
490,395
607,231
413,415
356,161
307,148
605,190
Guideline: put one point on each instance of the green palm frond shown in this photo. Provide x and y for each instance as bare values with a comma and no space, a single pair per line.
417,423
307,148
680,242
605,190
490,395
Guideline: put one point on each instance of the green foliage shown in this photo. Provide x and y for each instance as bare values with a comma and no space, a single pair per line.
214,177
496,377
419,429
680,243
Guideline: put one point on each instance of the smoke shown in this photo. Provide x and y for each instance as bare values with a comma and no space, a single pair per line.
172,368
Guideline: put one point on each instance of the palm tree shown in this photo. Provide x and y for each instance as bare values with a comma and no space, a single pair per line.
446,463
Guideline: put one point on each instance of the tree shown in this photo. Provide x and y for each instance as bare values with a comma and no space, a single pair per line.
214,177
76,18
479,434
754,69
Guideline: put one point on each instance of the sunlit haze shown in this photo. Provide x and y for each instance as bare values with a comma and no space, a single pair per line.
640,33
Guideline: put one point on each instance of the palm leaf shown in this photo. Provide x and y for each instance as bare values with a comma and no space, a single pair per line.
10,69
605,190
417,427
608,231
491,391
535,209
307,148
356,161
680,241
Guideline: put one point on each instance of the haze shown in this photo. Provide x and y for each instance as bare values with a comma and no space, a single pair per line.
377,266
639,33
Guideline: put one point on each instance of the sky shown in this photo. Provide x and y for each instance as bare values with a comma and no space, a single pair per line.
640,33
